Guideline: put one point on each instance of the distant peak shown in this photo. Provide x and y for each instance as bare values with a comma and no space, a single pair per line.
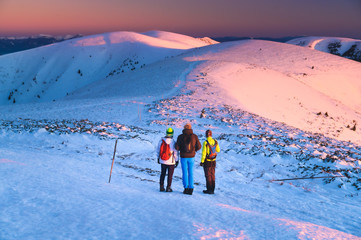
208,40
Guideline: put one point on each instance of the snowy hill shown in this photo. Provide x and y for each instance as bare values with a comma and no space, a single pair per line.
280,113
345,47
52,72
309,90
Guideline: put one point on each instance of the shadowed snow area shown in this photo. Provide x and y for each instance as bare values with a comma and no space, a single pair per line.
286,118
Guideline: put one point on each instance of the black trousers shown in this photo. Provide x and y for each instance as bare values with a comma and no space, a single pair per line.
210,174
170,169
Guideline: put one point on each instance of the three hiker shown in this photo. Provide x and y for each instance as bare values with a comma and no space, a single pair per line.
187,144
167,157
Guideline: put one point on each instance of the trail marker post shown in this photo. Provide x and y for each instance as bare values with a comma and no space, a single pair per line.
111,169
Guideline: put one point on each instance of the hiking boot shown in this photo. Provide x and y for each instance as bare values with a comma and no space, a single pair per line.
208,191
190,191
185,191
169,189
162,189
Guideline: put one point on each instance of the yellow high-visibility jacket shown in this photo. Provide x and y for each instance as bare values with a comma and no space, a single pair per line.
205,149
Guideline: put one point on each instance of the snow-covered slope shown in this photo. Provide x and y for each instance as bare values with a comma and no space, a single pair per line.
268,104
306,89
345,47
53,72
309,90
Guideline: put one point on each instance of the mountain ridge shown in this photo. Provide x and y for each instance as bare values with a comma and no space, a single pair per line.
10,45
28,76
344,47
279,81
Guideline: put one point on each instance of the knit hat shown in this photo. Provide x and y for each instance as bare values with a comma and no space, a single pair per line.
208,133
170,132
188,126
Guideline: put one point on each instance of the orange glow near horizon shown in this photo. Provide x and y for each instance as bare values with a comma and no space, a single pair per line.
201,18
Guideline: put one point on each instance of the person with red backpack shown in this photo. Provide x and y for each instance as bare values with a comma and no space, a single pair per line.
188,144
209,153
167,157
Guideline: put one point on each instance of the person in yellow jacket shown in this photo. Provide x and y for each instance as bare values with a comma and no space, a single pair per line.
209,153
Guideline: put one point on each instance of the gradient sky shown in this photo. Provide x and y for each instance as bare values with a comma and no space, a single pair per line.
214,18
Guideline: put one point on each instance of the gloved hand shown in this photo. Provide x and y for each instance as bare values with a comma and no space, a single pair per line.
201,164
158,161
176,164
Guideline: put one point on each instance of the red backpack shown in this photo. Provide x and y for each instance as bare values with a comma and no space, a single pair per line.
165,151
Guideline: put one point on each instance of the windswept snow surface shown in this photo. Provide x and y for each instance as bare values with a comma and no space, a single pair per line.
265,104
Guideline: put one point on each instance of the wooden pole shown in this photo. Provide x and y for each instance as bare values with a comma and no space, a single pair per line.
111,169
